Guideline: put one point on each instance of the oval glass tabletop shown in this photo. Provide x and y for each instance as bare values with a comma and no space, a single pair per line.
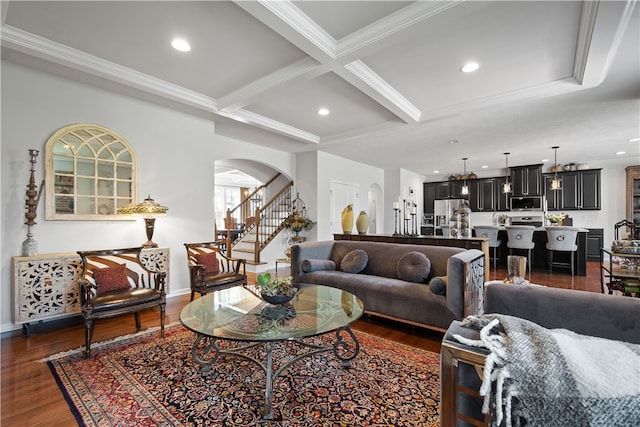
239,313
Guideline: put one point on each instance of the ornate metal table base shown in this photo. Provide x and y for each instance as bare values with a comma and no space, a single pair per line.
343,350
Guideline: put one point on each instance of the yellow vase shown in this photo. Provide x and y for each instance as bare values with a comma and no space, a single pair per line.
347,219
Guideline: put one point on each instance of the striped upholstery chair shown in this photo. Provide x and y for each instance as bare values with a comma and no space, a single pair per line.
115,282
210,269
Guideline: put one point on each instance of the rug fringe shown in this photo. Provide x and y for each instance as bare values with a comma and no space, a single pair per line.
104,343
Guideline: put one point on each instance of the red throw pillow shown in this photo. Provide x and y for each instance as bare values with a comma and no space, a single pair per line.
210,262
111,278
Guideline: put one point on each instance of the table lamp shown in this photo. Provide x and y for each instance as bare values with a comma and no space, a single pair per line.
149,210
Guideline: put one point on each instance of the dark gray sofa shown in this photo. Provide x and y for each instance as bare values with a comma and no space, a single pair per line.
586,313
385,294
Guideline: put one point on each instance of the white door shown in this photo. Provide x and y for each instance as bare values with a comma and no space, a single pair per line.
342,194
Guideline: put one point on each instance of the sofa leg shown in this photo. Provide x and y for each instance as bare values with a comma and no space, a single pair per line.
193,294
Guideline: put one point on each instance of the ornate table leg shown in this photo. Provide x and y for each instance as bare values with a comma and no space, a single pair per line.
341,348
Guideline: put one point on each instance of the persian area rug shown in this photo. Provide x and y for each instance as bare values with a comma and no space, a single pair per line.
145,380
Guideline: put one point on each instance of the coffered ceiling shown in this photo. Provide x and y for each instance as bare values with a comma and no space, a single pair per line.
551,73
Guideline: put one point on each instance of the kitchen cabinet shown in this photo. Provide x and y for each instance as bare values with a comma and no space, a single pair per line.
429,189
527,180
595,242
580,191
482,195
442,190
502,199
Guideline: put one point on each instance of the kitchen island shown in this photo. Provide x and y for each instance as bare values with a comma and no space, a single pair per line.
539,254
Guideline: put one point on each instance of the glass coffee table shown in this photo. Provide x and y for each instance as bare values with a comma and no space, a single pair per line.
239,314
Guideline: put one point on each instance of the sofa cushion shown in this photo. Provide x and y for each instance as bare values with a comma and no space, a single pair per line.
413,267
354,261
111,278
210,262
309,265
438,285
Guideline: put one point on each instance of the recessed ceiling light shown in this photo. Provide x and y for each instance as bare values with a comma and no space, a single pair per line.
181,45
484,166
619,153
544,160
323,112
469,67
436,171
453,141
633,140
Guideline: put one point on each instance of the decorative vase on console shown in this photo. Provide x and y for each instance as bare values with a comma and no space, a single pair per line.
347,219
362,223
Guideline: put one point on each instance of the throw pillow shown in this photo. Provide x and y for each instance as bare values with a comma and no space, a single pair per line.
309,265
413,267
354,261
210,262
438,285
111,278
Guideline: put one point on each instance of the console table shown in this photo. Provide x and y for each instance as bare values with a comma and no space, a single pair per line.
45,287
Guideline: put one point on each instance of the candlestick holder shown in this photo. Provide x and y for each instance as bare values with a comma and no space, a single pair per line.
30,245
395,221
406,226
414,226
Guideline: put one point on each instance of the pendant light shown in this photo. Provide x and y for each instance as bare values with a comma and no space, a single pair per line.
465,188
556,183
506,187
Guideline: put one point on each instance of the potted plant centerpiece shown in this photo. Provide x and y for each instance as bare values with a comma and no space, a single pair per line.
277,291
556,219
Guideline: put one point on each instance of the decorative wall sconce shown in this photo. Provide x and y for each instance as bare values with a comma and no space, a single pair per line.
149,210
30,245
556,183
465,188
506,187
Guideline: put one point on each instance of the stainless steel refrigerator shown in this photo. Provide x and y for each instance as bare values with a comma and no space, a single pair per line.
443,210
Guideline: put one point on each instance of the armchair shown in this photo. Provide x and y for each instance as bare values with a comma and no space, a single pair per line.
210,269
115,282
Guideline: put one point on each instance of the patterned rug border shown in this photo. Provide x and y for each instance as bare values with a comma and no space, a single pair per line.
80,412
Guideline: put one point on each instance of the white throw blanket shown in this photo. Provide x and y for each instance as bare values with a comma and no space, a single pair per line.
554,377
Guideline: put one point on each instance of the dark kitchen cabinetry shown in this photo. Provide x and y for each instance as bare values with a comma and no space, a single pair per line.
442,190
429,189
502,199
580,191
482,195
527,180
595,242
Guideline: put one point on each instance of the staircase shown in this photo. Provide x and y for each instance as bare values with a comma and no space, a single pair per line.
267,222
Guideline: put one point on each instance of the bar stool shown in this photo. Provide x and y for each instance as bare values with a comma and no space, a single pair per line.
490,231
561,238
520,237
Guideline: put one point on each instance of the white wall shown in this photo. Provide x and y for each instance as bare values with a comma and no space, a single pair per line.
176,154
334,168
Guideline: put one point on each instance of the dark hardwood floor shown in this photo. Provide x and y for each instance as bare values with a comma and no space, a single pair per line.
30,396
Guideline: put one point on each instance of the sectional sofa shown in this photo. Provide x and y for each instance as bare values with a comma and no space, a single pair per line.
394,281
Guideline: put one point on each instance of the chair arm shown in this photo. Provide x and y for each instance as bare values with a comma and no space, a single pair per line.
161,281
86,291
465,282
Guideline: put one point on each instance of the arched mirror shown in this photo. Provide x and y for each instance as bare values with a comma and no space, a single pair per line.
90,172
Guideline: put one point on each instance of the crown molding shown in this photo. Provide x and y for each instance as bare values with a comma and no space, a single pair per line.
392,24
597,46
374,81
302,24
31,44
